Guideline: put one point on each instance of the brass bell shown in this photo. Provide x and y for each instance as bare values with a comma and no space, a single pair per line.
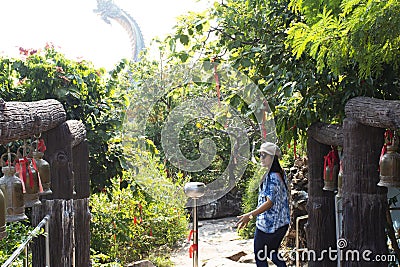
31,181
3,232
27,173
43,168
390,168
13,191
331,171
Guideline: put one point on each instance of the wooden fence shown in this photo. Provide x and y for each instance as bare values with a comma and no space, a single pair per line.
68,156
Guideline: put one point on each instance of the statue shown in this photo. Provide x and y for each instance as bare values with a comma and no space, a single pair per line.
107,9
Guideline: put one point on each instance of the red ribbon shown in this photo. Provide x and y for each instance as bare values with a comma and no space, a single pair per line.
19,170
192,249
330,160
217,83
388,141
263,129
191,234
41,146
23,164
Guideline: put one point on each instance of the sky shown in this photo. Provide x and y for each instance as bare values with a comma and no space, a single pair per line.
78,32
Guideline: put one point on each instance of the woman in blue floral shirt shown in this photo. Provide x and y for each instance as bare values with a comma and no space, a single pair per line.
272,212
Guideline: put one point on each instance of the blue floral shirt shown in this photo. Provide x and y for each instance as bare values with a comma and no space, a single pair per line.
279,214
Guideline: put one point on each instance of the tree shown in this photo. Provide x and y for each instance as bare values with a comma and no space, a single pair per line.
340,34
87,94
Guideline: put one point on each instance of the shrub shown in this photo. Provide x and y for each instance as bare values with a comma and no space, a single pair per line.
137,215
17,232
249,201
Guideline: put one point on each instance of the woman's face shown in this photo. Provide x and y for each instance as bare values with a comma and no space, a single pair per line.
266,159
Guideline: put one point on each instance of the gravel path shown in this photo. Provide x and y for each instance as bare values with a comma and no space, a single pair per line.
219,245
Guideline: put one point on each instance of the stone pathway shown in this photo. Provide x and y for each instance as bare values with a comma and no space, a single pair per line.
219,245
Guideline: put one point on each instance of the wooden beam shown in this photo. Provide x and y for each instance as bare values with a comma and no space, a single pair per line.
21,120
327,134
374,112
78,131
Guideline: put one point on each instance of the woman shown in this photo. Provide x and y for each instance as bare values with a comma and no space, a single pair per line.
272,212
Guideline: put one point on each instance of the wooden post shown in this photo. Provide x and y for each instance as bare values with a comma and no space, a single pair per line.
59,204
320,228
364,203
61,227
80,154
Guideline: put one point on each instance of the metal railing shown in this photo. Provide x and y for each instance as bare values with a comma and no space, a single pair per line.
298,249
25,245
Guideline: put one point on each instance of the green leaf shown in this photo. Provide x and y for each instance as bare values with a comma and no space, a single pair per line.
184,39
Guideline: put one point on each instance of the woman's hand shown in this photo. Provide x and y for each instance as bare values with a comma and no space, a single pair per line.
243,220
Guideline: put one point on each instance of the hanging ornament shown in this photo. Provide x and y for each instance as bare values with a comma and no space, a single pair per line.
13,189
29,176
331,170
389,165
41,166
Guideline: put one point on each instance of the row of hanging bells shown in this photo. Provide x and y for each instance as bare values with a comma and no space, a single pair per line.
26,175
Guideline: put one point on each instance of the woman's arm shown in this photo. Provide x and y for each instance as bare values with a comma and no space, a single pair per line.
245,218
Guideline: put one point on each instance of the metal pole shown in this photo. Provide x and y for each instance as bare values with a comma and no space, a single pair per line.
195,234
338,211
47,242
26,256
298,249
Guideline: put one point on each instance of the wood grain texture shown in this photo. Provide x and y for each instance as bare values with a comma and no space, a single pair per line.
374,112
21,120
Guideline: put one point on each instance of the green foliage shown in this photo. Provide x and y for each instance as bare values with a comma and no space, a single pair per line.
356,33
249,201
133,220
86,93
335,50
17,233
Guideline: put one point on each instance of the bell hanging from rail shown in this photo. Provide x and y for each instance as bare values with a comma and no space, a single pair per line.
331,178
30,178
389,168
331,171
27,173
43,168
3,232
13,191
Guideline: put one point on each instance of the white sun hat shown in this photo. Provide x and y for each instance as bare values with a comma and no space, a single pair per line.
271,149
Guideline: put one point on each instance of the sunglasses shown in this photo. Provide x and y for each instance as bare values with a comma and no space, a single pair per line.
263,155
